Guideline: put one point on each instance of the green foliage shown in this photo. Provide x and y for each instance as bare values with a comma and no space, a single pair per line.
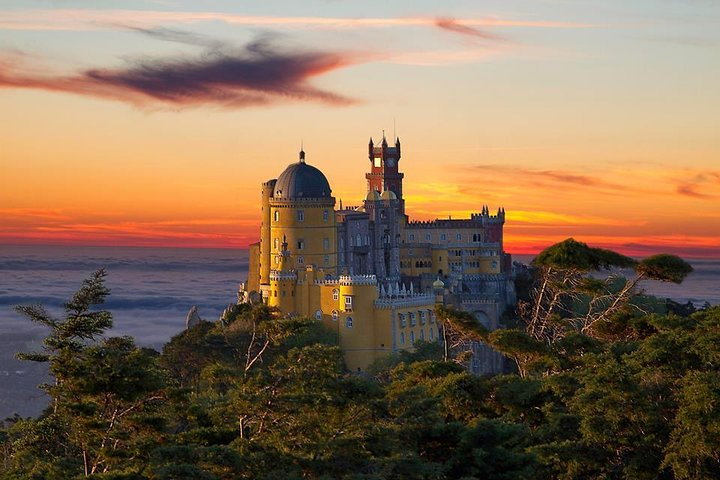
571,254
258,396
664,267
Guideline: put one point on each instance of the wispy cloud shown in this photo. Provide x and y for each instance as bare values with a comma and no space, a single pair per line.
553,177
260,73
89,19
703,185
452,25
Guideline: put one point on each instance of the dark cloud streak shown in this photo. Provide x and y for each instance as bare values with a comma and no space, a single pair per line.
452,25
259,73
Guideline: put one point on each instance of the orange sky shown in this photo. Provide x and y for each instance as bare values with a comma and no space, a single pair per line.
596,123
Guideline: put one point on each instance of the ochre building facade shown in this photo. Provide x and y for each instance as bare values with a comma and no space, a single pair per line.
367,271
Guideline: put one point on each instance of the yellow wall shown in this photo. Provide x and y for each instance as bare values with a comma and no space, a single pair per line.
317,231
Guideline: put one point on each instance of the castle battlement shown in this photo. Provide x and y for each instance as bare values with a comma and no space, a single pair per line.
415,300
349,280
278,275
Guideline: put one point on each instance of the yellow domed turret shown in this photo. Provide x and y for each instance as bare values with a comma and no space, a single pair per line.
388,195
438,284
372,196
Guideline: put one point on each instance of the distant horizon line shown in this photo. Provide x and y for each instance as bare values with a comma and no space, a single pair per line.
522,252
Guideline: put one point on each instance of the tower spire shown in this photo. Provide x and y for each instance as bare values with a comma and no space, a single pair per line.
302,152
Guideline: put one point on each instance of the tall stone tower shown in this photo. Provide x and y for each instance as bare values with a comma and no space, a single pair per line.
384,170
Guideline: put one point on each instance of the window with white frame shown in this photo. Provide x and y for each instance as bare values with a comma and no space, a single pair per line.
336,294
301,244
318,315
412,319
422,318
335,315
300,260
349,322
276,215
401,318
348,302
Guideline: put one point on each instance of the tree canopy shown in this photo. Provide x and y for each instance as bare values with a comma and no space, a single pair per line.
260,396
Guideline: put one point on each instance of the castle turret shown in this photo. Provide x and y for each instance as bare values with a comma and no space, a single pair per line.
384,170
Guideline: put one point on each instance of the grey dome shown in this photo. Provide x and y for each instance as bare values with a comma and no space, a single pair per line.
300,180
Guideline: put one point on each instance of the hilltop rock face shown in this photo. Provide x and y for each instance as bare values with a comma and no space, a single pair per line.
193,317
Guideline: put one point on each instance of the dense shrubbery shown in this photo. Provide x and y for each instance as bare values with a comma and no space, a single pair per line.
261,397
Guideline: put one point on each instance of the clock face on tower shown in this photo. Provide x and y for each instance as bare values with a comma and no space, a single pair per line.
390,162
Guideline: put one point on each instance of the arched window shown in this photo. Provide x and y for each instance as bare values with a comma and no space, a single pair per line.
326,215
412,338
277,215
422,334
336,294
348,322
318,315
335,315
402,338
358,240
432,335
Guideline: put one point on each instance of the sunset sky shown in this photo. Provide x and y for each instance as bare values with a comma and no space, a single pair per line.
154,122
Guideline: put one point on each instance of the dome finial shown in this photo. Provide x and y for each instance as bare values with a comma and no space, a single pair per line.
302,152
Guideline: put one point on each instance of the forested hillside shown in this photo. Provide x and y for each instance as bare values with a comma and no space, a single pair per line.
601,387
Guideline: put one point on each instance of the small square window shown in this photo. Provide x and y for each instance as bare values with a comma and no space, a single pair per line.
301,244
348,302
